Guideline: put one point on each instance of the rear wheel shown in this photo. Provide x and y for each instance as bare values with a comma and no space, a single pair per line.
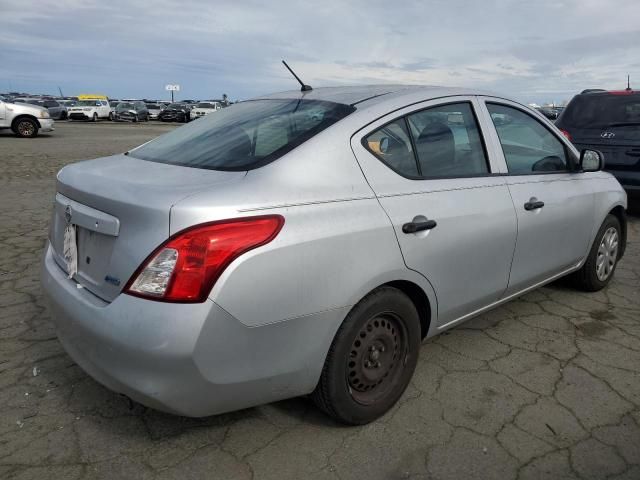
371,359
598,269
135,118
26,128
95,117
111,116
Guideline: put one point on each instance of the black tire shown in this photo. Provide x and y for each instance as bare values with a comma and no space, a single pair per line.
587,278
111,116
135,118
63,116
94,118
26,128
384,318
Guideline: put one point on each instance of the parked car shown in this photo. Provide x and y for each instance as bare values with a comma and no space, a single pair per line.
90,109
67,103
176,112
154,110
204,108
24,119
131,111
306,243
56,110
608,121
549,112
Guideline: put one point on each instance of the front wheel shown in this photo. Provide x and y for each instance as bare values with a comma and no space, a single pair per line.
371,359
26,128
135,118
95,117
598,269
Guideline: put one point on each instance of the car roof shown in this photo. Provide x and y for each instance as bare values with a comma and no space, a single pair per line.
373,94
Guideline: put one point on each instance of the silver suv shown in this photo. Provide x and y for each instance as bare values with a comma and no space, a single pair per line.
24,119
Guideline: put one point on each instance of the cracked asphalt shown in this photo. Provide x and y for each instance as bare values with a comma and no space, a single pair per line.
545,387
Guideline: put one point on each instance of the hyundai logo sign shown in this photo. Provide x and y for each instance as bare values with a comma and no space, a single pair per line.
607,134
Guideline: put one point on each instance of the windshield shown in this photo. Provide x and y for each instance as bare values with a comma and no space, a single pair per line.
602,110
125,106
205,105
88,103
177,106
244,136
153,106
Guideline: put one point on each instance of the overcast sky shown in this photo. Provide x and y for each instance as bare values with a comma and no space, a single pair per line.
533,50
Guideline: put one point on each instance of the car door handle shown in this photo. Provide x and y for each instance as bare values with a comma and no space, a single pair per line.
413,227
533,204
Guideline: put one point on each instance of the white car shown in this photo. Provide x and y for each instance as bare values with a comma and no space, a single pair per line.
90,110
24,119
205,108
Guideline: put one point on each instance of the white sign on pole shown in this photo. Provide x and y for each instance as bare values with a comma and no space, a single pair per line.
175,88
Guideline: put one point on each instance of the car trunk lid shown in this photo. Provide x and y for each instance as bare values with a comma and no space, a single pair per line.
120,207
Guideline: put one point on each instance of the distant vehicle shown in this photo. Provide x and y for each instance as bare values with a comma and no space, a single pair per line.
56,110
154,110
113,102
204,108
176,112
25,119
550,112
90,109
131,111
608,121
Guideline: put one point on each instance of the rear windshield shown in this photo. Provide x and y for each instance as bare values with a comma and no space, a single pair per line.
244,136
601,111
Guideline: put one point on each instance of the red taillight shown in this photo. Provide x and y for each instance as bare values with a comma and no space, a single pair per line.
187,265
566,134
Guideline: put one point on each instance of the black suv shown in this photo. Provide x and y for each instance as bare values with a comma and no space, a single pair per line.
608,121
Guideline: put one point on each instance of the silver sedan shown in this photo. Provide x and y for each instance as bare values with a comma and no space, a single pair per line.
307,242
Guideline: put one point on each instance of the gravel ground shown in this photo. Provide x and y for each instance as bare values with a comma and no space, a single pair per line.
547,386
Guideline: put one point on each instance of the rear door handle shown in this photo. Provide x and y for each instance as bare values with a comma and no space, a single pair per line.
533,204
413,227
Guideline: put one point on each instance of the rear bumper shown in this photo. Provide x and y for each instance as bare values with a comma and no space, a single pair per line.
187,359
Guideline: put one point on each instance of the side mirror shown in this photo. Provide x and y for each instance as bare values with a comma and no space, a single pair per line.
591,160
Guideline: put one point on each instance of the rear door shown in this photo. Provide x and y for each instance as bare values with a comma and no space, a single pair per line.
553,201
453,217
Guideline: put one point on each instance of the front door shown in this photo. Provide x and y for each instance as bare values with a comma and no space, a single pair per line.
553,201
453,218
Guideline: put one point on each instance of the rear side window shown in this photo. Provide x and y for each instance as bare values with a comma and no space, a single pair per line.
448,142
438,142
528,146
392,145
244,136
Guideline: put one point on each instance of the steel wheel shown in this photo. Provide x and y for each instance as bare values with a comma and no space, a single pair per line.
607,254
376,358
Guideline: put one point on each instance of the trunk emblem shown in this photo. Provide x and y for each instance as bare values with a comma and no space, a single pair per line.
607,134
68,214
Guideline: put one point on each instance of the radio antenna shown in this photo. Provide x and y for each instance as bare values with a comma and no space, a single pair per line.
303,88
628,83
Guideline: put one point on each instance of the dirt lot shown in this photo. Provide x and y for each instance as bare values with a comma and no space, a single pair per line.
547,386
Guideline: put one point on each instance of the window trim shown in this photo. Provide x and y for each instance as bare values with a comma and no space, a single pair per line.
569,157
404,117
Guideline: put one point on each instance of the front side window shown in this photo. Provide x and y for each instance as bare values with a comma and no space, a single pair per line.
245,136
528,146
